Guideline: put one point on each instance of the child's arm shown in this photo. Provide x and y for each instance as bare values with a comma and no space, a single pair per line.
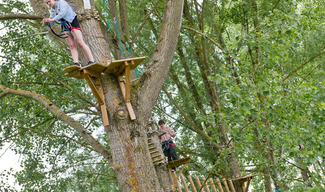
63,10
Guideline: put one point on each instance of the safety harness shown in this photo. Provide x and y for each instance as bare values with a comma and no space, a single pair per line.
65,31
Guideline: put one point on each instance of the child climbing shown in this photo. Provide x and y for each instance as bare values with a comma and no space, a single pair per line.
167,143
61,11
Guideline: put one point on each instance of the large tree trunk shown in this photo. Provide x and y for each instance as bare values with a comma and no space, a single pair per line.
131,160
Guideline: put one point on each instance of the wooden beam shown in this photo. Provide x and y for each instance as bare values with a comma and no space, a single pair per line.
192,183
128,104
179,162
219,185
176,181
225,184
231,186
127,83
184,183
198,183
104,115
90,82
212,185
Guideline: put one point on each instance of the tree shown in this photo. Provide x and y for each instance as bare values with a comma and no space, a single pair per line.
129,154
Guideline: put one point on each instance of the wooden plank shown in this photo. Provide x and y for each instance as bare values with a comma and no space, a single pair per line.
127,83
179,162
247,185
131,112
92,73
192,183
104,114
94,89
180,172
75,74
98,67
212,185
198,182
231,185
128,105
206,186
225,184
72,68
184,183
114,66
156,156
176,181
152,152
219,185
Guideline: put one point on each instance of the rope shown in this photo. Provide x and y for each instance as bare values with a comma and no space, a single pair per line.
136,69
114,21
109,27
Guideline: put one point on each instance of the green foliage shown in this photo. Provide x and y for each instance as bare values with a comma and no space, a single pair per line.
260,111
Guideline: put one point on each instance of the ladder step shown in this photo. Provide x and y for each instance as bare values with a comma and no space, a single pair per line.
152,157
152,152
158,160
154,147
150,143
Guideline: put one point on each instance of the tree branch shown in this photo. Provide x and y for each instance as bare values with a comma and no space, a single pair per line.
20,16
197,129
63,117
294,71
42,33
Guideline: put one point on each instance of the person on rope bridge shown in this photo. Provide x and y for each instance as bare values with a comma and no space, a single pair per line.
63,13
167,143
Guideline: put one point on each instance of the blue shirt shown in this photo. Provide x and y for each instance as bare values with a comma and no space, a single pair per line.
64,11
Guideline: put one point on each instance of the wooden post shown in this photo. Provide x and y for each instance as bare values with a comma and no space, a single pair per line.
198,182
219,185
212,185
192,184
127,83
99,94
225,184
206,186
247,185
128,104
184,183
231,186
176,181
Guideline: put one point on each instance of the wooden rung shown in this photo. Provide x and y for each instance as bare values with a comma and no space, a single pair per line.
150,143
179,162
154,147
152,152
152,157
158,160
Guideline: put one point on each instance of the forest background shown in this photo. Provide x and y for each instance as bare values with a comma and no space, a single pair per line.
256,67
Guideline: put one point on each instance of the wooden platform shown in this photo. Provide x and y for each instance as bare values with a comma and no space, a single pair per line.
97,67
91,73
118,66
73,71
179,162
242,181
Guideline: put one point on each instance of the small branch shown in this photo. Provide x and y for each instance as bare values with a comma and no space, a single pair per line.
20,16
42,33
294,71
197,129
144,21
198,32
